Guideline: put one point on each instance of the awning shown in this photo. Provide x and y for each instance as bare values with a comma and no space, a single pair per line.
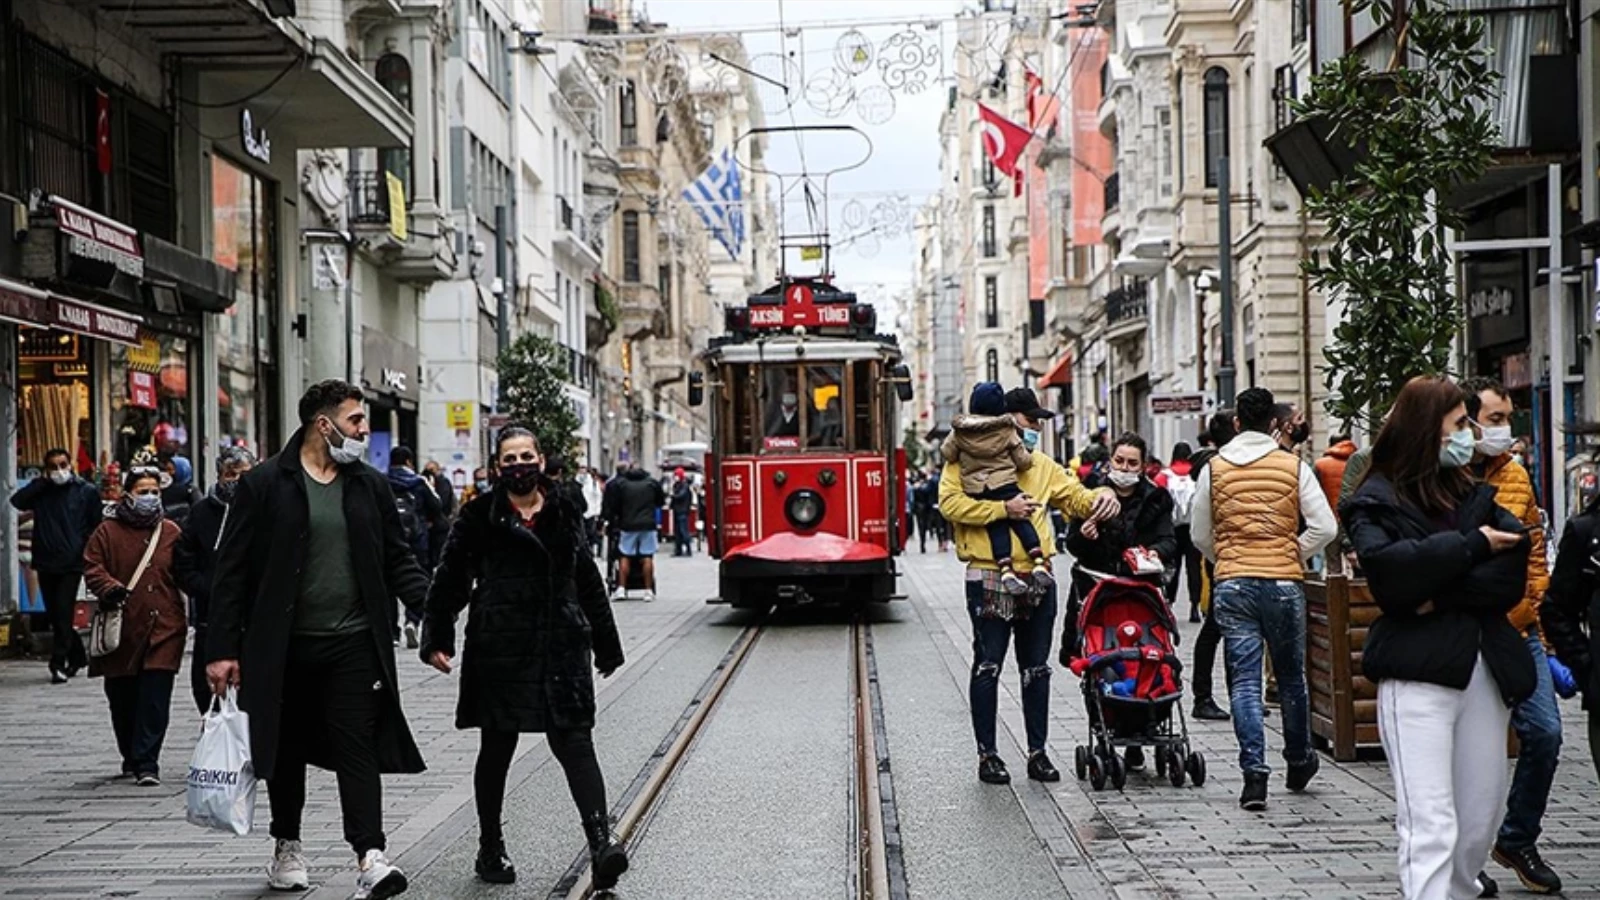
1060,374
25,305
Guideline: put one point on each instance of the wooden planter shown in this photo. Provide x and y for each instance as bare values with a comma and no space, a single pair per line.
1344,705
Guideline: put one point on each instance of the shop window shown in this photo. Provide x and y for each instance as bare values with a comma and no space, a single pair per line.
393,73
53,398
1216,112
152,403
246,339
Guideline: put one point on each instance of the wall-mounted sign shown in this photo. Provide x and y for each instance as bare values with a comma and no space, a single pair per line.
1495,296
257,145
397,207
91,236
141,390
84,318
458,415
1180,404
390,367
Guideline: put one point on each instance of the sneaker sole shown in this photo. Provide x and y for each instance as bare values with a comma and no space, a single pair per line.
612,867
498,877
1531,886
284,887
1254,806
392,885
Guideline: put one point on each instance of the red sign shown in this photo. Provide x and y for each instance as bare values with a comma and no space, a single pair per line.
799,308
93,236
22,304
102,130
787,442
141,390
84,318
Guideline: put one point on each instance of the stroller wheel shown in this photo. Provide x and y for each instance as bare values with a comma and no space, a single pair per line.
1161,763
1080,761
1175,771
1118,774
1097,774
1197,769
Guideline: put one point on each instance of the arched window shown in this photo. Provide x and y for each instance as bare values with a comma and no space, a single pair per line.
630,246
1216,112
393,73
991,365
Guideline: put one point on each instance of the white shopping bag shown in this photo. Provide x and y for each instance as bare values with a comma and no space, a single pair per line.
222,782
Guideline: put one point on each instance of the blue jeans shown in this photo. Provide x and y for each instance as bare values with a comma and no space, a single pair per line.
1259,615
990,636
1537,721
683,544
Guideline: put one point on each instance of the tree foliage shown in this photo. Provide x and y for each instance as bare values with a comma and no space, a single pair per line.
533,378
1420,130
916,452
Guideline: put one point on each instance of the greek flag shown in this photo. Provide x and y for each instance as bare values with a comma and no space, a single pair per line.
719,199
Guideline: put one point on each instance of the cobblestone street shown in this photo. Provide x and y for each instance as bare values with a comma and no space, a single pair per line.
71,831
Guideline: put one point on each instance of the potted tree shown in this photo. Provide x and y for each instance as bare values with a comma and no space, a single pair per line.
1406,139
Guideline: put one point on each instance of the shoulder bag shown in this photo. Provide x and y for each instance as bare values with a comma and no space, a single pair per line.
105,630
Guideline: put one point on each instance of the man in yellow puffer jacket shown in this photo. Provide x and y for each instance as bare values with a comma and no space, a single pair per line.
1537,720
1000,618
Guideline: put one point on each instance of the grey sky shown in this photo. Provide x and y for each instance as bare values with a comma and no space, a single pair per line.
903,170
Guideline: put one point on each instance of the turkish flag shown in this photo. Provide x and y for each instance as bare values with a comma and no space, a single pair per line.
102,130
1003,141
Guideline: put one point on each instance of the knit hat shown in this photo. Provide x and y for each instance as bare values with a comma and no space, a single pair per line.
987,399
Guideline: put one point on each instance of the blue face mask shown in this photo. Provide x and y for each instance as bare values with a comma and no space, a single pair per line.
1030,439
1458,451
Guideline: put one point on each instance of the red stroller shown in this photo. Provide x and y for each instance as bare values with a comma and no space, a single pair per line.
1125,655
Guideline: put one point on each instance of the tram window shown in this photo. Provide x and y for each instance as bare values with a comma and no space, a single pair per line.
739,430
781,415
825,412
865,379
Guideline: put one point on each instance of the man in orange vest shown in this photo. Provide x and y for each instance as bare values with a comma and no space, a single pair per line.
1537,720
1248,506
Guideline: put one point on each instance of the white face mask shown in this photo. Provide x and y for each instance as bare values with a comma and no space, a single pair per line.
1124,480
1496,440
61,476
350,450
790,401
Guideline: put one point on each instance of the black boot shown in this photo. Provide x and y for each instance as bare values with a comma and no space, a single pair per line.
493,865
607,858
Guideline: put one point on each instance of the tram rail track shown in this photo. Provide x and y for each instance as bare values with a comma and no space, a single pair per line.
877,868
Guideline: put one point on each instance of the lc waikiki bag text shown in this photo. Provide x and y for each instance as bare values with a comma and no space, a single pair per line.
222,782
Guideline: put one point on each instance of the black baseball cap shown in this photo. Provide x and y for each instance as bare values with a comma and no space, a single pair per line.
1024,400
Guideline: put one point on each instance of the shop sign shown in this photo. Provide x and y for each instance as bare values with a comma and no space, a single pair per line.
458,415
141,390
1495,295
146,357
1516,371
23,304
257,145
94,237
1180,404
398,226
389,366
94,321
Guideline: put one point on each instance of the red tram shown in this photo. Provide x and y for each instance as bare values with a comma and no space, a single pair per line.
805,483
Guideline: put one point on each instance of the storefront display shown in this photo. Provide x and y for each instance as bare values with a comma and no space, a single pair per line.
151,407
246,333
54,405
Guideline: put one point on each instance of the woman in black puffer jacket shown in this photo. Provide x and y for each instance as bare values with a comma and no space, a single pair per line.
538,613
1445,564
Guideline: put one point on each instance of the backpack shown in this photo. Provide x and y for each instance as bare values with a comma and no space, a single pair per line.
1181,487
410,518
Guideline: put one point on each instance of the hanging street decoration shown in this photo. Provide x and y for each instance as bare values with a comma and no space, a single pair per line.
875,105
906,60
829,93
852,53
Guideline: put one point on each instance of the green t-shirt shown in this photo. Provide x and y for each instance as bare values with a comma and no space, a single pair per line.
330,600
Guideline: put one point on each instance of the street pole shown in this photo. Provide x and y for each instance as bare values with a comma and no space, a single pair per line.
1225,371
503,299
1556,295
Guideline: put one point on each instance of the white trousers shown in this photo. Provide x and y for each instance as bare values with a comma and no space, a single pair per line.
1447,753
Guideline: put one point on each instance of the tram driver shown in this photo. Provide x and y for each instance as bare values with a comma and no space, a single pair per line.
783,420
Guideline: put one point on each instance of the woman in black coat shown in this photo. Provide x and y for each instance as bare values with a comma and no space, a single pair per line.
518,558
1445,564
1145,520
1571,608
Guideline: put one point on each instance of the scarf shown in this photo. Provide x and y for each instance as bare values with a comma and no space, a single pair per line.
999,603
126,512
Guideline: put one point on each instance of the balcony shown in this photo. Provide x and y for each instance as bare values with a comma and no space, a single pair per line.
1113,191
426,252
602,17
572,234
641,313
581,371
1127,310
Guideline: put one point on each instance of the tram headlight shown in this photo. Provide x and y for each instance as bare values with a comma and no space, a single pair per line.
804,508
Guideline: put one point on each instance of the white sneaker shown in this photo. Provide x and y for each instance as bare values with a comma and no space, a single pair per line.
287,871
377,878
649,596
619,594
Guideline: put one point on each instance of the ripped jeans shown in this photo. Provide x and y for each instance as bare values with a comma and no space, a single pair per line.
990,636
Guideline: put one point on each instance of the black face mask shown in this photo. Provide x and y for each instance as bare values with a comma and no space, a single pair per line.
521,478
1301,433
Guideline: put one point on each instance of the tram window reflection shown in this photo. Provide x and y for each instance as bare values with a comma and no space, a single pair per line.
780,390
826,426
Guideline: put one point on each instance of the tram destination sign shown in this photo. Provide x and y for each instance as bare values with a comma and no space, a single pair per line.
801,308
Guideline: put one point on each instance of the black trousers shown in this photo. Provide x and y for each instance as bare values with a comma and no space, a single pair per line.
1205,656
332,692
140,708
573,748
59,590
1185,548
197,672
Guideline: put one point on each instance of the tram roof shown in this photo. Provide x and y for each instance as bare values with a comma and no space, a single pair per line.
791,348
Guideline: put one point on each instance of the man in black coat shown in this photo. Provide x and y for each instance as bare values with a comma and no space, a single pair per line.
446,492
682,502
66,510
631,504
194,558
421,512
312,561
